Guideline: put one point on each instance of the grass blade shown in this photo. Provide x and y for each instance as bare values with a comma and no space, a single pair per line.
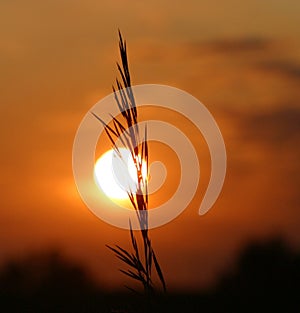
159,271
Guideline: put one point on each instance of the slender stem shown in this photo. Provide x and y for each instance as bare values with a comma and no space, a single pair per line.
139,199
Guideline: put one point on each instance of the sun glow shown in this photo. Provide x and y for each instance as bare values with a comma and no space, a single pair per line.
116,175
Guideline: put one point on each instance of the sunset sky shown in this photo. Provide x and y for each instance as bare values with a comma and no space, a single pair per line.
241,59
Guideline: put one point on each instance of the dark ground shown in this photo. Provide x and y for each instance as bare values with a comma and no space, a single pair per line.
266,279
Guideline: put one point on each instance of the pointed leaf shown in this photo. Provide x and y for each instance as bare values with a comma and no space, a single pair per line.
159,271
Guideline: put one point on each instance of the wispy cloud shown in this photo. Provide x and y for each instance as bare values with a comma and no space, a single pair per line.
282,67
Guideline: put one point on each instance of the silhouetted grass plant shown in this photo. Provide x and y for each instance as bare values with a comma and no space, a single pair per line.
142,259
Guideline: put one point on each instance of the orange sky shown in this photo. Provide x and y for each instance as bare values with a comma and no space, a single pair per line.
242,60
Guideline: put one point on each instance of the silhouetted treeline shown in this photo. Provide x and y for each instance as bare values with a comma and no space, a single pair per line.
266,279
45,282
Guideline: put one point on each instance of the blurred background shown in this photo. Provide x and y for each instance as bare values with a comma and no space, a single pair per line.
241,59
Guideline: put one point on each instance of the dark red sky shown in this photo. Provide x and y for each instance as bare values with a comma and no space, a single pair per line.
240,59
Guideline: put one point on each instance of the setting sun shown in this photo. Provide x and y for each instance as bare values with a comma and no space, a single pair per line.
116,175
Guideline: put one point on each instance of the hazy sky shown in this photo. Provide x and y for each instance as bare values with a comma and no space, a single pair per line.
241,59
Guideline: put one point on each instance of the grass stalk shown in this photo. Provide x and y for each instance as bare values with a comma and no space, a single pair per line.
142,259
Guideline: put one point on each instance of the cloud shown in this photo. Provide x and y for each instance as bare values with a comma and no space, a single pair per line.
270,128
229,46
280,67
